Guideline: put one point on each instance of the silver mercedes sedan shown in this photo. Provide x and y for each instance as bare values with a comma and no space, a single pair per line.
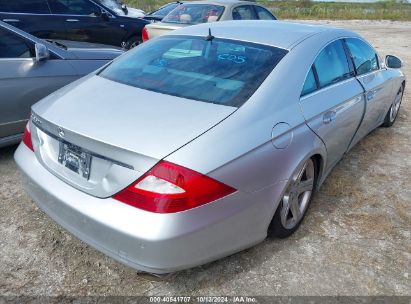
202,142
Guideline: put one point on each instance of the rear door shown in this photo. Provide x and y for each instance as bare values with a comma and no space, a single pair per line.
24,81
84,22
372,78
332,100
34,17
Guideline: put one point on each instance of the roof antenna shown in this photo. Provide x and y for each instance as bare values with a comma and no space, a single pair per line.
209,36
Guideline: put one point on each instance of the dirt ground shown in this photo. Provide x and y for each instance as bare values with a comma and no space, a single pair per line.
356,239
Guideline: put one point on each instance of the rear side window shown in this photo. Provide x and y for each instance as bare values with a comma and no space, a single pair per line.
194,13
72,7
244,12
24,6
310,84
263,14
220,71
13,46
364,57
332,64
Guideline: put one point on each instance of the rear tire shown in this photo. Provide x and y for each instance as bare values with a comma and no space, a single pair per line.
132,42
295,202
394,109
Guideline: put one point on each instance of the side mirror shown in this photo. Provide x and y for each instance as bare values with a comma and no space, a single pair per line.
105,16
393,62
124,8
102,14
42,53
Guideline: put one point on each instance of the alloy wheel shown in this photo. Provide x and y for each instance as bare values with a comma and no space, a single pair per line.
297,196
395,107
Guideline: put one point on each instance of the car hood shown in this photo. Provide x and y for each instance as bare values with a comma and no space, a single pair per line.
130,118
95,54
135,13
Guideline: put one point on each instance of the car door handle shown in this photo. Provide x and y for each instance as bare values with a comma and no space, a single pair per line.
72,20
370,95
329,117
11,20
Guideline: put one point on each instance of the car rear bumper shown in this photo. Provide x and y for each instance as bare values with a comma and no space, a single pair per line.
155,243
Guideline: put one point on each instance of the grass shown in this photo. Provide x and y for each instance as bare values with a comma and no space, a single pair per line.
305,9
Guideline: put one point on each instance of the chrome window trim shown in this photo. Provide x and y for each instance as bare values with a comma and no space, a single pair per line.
318,91
17,59
66,15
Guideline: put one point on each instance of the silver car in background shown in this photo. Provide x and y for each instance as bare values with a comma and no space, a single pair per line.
31,68
204,141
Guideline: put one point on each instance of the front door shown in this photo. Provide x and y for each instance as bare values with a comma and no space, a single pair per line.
372,79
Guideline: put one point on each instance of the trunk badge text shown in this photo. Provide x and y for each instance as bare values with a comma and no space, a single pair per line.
61,132
35,119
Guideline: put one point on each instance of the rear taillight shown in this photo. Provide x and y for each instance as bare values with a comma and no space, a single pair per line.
144,34
169,188
27,137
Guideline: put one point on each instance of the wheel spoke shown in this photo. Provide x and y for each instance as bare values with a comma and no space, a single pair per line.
295,208
300,174
285,210
304,186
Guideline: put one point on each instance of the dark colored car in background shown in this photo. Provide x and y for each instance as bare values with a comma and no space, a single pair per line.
79,20
163,11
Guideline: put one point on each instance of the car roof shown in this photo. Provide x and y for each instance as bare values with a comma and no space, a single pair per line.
280,34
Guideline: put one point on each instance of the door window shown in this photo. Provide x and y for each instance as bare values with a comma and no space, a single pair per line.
364,57
24,6
332,65
263,14
72,7
244,12
12,46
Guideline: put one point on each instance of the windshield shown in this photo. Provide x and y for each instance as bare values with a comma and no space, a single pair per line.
220,71
163,11
114,5
194,13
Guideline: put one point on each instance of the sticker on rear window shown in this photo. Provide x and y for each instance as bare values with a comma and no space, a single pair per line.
233,58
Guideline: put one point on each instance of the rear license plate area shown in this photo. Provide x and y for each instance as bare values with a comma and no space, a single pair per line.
75,159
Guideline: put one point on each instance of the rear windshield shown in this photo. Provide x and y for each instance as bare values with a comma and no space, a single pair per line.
219,71
194,13
164,10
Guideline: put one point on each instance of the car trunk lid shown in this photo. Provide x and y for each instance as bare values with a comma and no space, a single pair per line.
125,134
158,29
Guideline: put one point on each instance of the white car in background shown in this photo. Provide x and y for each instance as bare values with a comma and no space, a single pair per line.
196,12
